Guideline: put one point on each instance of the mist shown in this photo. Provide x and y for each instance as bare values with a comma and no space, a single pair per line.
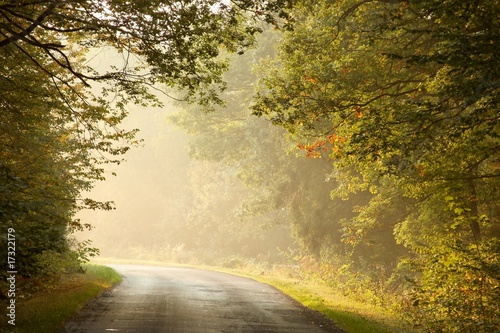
149,189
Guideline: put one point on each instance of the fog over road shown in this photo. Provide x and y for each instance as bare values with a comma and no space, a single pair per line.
180,300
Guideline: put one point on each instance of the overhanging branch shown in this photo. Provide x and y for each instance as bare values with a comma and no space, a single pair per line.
16,36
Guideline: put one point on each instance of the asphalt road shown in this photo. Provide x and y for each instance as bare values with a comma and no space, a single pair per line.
180,300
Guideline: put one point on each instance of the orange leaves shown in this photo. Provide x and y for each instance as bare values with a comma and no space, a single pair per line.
310,79
357,112
332,145
421,169
310,83
314,150
334,138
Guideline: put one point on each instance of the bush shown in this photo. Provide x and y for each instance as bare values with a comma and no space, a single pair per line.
459,290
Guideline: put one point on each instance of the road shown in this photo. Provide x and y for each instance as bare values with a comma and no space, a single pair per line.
180,300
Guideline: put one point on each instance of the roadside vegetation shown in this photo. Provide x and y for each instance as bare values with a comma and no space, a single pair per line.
43,305
348,312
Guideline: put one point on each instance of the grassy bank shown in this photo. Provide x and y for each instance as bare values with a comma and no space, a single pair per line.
46,311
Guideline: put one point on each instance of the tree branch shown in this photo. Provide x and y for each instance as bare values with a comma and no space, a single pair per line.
16,36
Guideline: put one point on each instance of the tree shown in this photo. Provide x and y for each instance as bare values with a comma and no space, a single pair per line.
46,161
402,98
281,192
58,135
226,150
173,43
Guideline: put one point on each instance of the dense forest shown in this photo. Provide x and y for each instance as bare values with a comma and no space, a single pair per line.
358,141
403,99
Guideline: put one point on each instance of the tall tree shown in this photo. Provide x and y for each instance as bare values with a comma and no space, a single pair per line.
47,159
403,98
283,191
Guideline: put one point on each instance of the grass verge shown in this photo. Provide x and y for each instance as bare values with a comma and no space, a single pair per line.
351,316
46,311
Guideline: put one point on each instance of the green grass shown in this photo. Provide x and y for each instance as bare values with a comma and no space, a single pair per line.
46,311
352,316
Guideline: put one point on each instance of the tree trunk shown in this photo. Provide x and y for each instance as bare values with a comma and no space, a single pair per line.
474,211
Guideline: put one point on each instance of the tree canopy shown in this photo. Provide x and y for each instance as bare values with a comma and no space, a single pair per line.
169,42
61,116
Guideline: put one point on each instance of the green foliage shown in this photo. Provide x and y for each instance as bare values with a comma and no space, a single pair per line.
458,291
47,157
402,99
257,181
244,219
58,136
175,43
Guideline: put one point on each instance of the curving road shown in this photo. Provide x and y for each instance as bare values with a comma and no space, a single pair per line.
180,300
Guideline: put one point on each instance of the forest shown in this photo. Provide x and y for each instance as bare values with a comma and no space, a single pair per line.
354,140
